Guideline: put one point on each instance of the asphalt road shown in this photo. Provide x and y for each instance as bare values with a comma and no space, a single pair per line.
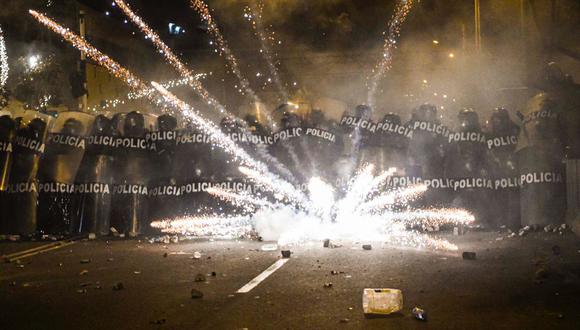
498,290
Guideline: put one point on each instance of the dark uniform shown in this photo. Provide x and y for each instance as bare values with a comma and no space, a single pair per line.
59,166
7,130
427,151
467,164
23,191
95,178
163,188
132,168
502,140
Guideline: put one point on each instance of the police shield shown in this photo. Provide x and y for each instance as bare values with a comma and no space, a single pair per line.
131,175
28,147
65,147
467,167
7,130
192,168
428,146
94,183
501,144
163,187
540,159
394,141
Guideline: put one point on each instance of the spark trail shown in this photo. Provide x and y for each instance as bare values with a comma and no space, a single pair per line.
180,67
253,13
218,137
171,58
4,68
222,47
390,45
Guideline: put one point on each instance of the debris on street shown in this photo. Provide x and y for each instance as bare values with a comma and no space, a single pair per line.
419,314
382,301
196,294
468,255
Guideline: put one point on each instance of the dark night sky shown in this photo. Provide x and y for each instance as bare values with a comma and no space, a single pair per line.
330,46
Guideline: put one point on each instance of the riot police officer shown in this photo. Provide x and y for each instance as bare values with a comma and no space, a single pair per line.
164,191
467,165
130,207
58,203
7,129
393,137
540,153
501,143
29,145
95,179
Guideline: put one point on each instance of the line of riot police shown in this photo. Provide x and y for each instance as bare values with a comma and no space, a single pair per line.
504,174
79,173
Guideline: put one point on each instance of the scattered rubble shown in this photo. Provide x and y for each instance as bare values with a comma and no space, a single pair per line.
200,278
196,294
382,301
328,285
419,314
118,286
269,247
468,255
158,322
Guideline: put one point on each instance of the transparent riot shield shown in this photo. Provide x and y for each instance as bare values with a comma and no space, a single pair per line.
131,174
59,166
164,191
94,183
28,148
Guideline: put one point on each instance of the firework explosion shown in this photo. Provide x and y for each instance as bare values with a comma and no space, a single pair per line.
281,211
362,214
390,44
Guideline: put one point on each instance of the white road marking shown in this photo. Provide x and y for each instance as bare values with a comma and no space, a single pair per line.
264,275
